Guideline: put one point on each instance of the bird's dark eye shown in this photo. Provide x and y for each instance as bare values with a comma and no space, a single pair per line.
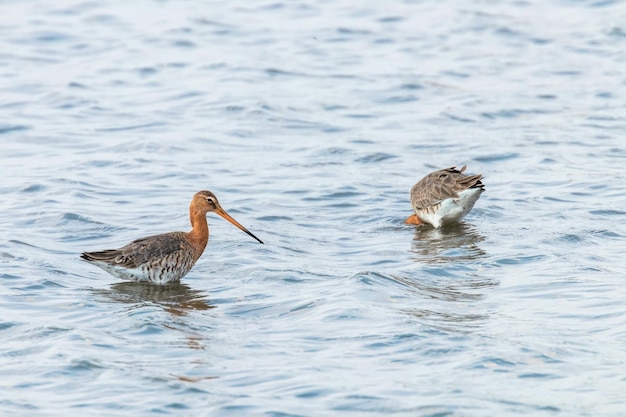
443,176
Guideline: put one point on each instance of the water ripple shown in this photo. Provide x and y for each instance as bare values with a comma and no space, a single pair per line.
311,122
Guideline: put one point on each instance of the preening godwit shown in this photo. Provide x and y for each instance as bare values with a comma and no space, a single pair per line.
168,257
444,196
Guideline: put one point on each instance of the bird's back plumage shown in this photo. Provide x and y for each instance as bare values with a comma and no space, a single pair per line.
160,258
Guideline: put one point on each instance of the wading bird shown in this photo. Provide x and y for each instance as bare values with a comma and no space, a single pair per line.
167,257
444,196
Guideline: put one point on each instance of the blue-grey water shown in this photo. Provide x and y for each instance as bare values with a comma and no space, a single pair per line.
311,120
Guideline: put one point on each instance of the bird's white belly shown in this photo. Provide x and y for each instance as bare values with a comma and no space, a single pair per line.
124,273
453,209
155,275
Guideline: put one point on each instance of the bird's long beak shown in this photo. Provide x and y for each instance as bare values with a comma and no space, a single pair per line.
225,215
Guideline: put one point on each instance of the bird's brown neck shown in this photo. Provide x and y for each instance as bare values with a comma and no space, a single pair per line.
199,234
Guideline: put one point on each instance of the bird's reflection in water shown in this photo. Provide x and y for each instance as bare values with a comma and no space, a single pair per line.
450,297
451,243
177,299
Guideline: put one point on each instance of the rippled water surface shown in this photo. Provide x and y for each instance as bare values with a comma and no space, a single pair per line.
311,120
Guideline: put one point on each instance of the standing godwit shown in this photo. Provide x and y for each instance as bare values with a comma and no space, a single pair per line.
444,196
168,257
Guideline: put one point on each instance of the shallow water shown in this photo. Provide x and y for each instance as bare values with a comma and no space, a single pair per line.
311,121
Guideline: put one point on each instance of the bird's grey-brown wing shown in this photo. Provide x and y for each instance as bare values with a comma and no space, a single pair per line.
439,185
141,251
